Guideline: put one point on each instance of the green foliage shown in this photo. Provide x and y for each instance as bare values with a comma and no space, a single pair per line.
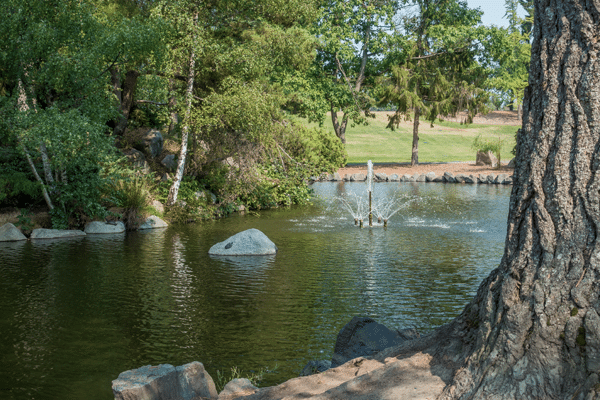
580,339
193,202
132,193
234,373
574,311
17,186
484,145
24,221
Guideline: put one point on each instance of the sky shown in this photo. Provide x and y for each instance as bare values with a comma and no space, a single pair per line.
493,11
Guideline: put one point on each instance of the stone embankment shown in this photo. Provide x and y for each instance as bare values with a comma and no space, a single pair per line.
10,233
447,177
363,366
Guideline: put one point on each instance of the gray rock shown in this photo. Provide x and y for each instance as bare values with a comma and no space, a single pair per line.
165,382
346,177
394,178
363,337
438,179
430,176
153,222
158,206
381,176
448,177
490,178
500,178
42,233
169,162
336,177
237,388
101,227
482,178
315,366
406,178
511,163
460,178
420,178
470,179
508,180
151,143
137,160
10,233
487,158
205,194
248,242
408,333
358,177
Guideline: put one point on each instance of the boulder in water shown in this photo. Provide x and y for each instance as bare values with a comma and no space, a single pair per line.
10,233
247,243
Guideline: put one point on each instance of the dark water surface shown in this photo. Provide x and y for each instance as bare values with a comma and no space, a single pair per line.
76,313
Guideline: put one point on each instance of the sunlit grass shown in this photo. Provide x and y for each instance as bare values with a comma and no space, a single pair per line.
444,142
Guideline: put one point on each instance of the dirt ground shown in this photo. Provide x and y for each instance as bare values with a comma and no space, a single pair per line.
467,168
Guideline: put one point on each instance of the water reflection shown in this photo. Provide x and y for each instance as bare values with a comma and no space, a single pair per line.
75,313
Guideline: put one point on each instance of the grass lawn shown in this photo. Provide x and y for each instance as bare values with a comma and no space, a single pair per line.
445,142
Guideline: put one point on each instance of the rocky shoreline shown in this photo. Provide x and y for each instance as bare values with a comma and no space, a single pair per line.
447,177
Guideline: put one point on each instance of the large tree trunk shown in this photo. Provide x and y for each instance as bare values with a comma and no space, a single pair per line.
414,158
533,329
127,96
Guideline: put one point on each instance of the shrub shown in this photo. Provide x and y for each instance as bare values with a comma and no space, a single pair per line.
485,145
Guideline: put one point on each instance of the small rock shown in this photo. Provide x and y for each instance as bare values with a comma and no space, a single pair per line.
248,242
438,179
10,233
394,178
42,233
511,163
363,337
482,179
158,206
336,177
153,222
165,382
420,178
101,227
508,180
430,176
487,158
315,366
358,177
137,160
237,388
448,177
460,178
407,178
381,177
346,177
151,143
169,162
500,178
470,179
490,178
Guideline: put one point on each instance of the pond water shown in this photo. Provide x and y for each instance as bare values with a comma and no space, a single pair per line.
76,313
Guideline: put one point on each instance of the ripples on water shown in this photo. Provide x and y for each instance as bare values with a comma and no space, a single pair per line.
76,313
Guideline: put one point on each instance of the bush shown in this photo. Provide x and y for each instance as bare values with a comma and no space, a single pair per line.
485,145
132,194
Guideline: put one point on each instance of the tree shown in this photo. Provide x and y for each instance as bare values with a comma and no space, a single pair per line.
437,73
352,36
512,53
533,329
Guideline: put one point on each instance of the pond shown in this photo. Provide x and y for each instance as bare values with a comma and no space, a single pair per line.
76,313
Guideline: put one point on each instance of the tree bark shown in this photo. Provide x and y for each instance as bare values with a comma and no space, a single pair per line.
414,158
339,127
533,329
174,190
127,96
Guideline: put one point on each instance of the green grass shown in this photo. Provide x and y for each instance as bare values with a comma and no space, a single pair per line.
445,142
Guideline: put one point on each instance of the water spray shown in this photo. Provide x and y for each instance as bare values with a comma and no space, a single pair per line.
370,190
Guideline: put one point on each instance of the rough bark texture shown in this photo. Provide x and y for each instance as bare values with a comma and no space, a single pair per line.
127,95
533,329
414,158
